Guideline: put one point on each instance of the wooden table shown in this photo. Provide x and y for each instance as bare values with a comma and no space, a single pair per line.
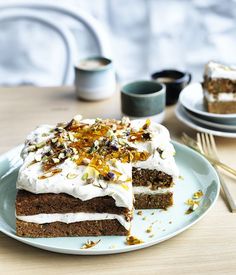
209,247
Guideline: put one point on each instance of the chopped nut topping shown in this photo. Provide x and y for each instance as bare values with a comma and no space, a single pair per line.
132,240
89,244
99,146
41,144
140,213
85,176
38,157
49,174
194,203
90,180
71,176
55,160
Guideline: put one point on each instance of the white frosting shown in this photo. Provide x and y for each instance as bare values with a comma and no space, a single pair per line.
76,187
220,97
73,217
161,140
146,190
216,70
59,183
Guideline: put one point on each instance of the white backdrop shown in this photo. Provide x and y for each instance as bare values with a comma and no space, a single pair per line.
149,35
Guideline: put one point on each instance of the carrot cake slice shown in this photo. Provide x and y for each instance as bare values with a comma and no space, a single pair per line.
220,88
76,179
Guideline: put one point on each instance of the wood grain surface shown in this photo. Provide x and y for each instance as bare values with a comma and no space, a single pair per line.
209,247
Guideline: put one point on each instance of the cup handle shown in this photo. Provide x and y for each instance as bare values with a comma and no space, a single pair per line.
189,76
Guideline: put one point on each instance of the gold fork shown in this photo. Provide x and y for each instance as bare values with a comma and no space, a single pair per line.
215,161
207,145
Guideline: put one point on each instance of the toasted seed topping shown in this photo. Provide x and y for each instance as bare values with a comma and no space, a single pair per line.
71,176
89,244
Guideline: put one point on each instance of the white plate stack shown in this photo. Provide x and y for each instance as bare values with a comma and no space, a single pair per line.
191,111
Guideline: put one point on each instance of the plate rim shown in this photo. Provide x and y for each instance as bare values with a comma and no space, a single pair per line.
197,111
107,251
210,123
187,121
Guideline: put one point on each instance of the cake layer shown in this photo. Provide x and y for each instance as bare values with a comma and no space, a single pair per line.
153,201
31,204
228,107
152,178
60,229
217,86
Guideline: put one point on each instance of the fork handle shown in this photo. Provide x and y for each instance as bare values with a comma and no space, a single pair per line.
222,165
228,196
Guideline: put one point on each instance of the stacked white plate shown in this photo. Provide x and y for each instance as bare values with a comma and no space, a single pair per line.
191,111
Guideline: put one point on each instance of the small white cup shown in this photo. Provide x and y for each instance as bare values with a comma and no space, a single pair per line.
95,78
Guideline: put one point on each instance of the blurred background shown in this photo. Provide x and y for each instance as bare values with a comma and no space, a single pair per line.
41,41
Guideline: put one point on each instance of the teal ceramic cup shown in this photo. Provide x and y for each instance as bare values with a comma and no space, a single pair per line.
144,99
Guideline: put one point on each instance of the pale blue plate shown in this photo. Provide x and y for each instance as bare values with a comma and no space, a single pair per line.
196,172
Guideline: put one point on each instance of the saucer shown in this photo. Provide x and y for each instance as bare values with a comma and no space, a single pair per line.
192,99
207,123
182,115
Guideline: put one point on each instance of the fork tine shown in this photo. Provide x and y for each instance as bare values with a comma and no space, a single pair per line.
208,145
213,143
204,146
199,142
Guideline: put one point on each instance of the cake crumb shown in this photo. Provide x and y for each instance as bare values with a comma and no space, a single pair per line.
152,213
151,236
194,202
140,213
144,218
198,194
170,222
132,240
89,244
149,229
181,177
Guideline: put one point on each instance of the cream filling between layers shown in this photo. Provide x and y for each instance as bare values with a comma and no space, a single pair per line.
224,97
147,191
74,217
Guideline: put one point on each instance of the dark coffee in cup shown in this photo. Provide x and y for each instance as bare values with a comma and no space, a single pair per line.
174,81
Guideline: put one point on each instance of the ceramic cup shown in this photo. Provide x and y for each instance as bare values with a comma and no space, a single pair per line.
174,81
144,99
95,78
